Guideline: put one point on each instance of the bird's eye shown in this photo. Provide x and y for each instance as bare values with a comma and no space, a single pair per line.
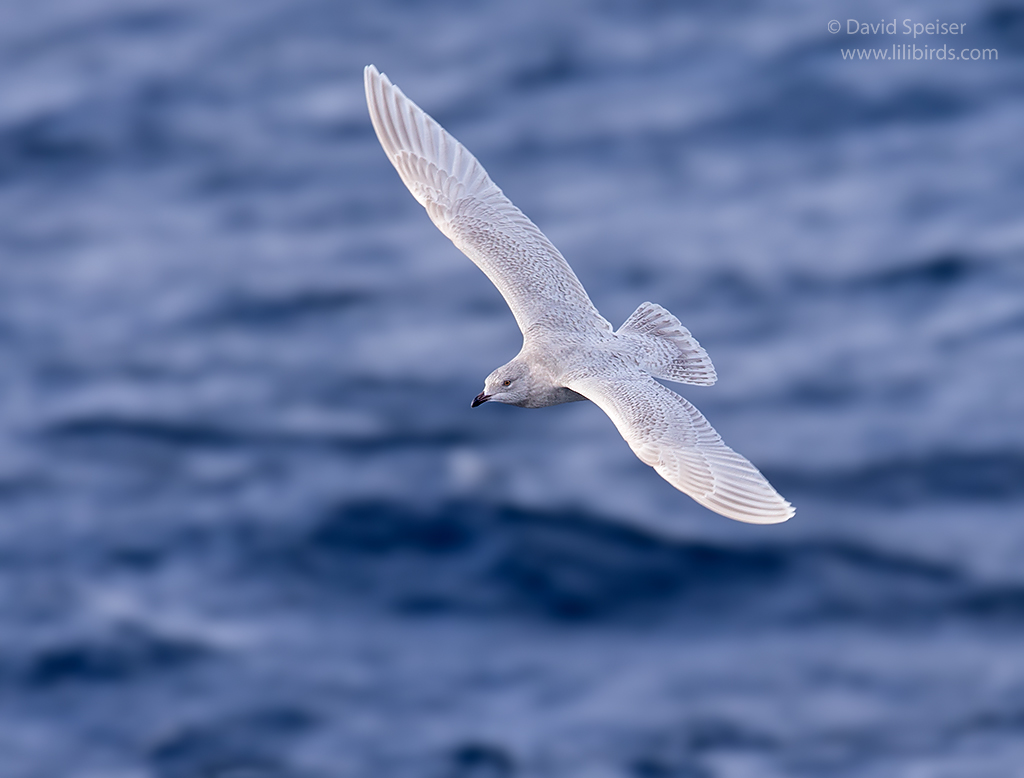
506,383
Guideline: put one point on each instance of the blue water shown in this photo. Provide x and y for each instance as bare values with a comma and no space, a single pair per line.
249,525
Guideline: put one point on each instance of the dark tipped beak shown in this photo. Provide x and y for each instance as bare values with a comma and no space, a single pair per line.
480,399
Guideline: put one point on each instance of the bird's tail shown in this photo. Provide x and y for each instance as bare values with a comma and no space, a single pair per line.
665,348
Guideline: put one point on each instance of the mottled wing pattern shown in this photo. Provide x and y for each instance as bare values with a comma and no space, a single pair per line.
669,434
532,276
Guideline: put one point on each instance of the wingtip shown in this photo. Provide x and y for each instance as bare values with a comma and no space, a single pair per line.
786,512
756,519
370,76
748,498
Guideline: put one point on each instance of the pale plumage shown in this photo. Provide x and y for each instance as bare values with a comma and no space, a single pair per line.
569,350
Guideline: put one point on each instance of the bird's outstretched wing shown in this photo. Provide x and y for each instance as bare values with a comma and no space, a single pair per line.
532,276
669,434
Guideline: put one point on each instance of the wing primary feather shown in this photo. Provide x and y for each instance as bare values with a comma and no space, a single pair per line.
665,430
534,278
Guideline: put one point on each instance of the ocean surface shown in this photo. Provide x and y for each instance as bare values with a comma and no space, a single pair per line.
249,525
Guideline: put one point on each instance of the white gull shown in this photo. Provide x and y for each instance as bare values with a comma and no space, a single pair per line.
570,352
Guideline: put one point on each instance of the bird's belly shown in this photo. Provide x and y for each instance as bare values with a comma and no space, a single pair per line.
556,396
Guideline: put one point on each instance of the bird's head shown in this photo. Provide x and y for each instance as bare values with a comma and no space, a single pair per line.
509,384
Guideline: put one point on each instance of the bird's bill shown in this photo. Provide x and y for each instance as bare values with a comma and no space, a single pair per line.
480,399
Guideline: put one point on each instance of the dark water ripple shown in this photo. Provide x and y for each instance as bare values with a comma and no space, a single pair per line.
249,744
503,561
127,654
941,475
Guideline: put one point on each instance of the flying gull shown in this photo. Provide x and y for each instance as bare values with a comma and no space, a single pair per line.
570,352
